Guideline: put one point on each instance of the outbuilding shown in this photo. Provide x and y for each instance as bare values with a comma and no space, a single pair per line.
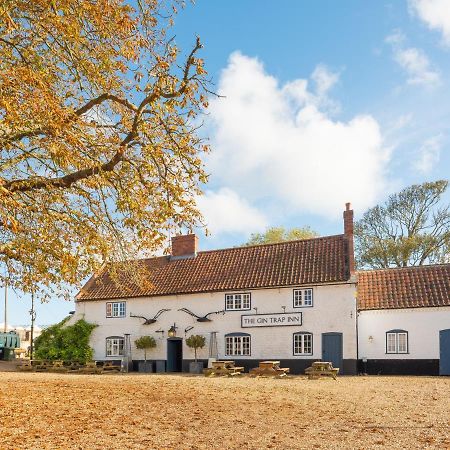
404,320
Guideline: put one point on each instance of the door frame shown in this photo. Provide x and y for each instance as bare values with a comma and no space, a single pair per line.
335,333
441,334
178,359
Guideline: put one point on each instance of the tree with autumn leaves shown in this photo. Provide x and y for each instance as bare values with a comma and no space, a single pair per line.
100,155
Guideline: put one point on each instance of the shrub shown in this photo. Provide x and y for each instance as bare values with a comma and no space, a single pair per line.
145,343
196,341
65,342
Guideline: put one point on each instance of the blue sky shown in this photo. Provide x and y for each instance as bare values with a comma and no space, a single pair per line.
326,102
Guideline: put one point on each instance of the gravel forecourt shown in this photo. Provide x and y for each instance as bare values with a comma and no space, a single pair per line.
137,411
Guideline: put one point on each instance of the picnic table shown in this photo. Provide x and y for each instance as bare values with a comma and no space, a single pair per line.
24,366
109,366
34,365
321,369
41,365
58,366
223,368
269,369
90,368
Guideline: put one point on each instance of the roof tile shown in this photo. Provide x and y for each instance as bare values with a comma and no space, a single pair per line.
408,287
310,261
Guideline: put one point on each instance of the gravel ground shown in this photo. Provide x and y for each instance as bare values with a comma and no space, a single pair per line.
55,411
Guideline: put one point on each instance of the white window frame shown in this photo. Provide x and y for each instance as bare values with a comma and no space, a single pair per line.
240,301
299,348
238,344
116,309
303,298
115,346
394,345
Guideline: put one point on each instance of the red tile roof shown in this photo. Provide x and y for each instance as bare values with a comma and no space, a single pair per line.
310,261
409,287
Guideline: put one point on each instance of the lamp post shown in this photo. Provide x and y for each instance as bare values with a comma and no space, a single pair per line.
33,318
5,325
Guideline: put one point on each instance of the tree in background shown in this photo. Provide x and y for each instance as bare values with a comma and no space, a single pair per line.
280,234
100,157
196,342
412,228
65,342
145,343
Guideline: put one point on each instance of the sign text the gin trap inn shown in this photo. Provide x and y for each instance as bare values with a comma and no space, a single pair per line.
271,320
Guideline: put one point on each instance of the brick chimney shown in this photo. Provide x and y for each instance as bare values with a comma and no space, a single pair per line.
348,234
184,246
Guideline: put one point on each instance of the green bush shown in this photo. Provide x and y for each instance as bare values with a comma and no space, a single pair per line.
65,342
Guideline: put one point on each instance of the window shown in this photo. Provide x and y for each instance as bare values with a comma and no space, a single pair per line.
114,346
397,341
237,302
115,309
303,297
303,344
237,344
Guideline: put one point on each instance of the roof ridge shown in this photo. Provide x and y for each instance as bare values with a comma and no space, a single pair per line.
221,250
387,269
271,244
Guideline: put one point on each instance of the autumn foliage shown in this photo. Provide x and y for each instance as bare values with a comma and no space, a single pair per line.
100,156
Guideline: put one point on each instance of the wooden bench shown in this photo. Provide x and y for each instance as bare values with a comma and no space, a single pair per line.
223,368
321,369
269,369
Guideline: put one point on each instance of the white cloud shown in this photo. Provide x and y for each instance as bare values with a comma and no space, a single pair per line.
435,13
324,79
225,212
413,61
273,143
428,155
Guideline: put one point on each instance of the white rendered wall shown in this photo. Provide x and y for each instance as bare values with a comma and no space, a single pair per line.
334,310
422,324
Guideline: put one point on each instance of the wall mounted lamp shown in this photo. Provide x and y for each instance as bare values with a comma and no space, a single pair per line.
172,331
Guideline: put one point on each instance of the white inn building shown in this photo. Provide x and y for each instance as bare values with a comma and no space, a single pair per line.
295,302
